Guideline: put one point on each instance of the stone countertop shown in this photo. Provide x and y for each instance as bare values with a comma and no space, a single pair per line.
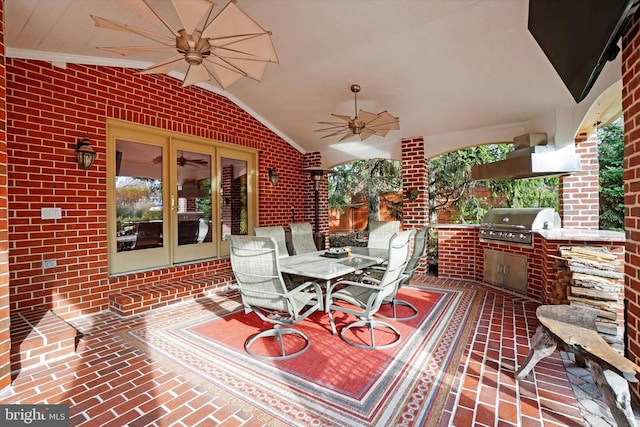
577,234
582,235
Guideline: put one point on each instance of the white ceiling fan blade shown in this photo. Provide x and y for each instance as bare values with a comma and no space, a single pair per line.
337,132
112,25
365,133
342,117
348,135
365,116
384,121
195,74
332,126
163,67
252,69
133,50
235,30
143,9
191,12
225,74
249,46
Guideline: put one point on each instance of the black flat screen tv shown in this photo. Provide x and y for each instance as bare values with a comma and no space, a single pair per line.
579,37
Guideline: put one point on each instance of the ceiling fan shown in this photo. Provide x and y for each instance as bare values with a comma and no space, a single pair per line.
225,47
363,124
184,161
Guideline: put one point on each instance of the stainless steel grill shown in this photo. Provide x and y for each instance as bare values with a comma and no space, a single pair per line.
516,225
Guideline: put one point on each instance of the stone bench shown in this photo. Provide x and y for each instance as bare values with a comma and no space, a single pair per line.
149,297
38,337
574,329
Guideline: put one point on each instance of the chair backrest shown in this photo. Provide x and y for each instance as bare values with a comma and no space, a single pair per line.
399,250
277,232
302,238
380,233
148,234
254,262
419,245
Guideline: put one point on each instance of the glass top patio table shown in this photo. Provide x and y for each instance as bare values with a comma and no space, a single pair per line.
316,266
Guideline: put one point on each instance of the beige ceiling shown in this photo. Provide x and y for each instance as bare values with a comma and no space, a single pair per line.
456,72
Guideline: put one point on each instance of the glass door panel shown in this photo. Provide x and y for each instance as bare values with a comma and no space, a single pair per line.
193,202
140,228
237,198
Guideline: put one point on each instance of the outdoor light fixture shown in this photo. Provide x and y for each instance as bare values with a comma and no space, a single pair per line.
84,153
274,177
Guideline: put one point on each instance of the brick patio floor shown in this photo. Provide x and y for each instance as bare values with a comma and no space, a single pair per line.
110,382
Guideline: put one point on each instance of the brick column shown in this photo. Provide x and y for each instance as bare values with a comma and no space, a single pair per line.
631,86
314,160
5,331
415,213
579,193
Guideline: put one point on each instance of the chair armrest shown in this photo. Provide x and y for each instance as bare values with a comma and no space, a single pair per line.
351,283
303,287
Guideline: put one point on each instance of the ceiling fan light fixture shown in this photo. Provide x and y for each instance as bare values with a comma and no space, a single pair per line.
364,124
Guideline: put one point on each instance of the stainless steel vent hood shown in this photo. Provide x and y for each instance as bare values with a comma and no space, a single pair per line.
533,157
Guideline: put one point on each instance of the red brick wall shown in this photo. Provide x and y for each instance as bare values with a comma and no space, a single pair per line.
579,192
458,252
631,110
49,109
5,339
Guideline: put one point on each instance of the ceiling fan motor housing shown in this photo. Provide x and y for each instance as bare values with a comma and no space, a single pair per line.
193,47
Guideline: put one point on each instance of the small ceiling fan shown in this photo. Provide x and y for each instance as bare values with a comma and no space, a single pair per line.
184,161
363,124
224,48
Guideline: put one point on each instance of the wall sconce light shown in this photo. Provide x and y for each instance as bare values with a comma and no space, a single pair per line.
412,194
274,177
84,153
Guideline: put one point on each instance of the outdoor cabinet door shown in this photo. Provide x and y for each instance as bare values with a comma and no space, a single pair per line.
505,269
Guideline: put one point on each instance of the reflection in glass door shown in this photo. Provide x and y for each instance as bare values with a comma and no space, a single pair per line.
138,195
234,205
192,203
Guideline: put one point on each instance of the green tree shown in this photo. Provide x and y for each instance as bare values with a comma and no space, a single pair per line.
366,179
450,185
610,159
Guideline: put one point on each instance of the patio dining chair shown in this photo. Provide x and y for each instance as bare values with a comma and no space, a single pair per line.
375,273
277,232
364,298
380,232
254,261
302,238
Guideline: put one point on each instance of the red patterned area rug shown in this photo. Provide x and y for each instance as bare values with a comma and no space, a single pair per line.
332,383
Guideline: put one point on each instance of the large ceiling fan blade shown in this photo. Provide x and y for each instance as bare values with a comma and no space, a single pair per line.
365,116
145,10
231,21
250,46
196,74
112,25
223,73
252,69
348,135
342,117
366,133
385,121
191,12
163,67
133,50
